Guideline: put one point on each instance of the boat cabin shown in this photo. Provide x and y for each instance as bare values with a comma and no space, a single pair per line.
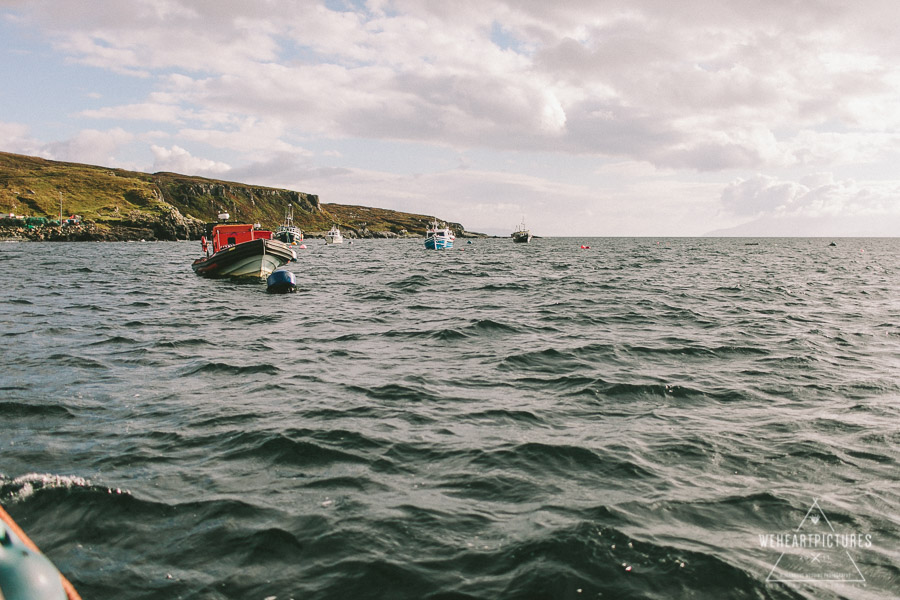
224,236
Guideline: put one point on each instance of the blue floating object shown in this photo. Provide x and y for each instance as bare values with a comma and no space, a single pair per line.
281,281
24,574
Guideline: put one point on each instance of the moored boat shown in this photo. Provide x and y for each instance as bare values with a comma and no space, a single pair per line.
521,235
241,251
287,232
334,236
438,238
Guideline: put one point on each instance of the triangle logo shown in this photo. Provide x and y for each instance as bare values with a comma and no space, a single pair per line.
815,552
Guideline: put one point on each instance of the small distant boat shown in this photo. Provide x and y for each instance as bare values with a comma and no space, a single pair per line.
521,235
334,236
289,233
438,238
240,251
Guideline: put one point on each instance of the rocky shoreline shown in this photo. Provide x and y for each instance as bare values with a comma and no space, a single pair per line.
169,226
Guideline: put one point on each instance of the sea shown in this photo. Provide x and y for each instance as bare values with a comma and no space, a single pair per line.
634,418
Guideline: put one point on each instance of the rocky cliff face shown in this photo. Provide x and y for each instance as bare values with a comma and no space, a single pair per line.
204,199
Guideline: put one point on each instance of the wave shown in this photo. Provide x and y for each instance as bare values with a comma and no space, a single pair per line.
411,284
395,392
282,450
548,360
22,410
215,368
114,340
567,462
78,362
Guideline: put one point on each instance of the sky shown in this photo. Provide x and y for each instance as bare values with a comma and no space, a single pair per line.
580,117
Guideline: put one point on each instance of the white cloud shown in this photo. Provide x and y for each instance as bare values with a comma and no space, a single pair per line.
15,137
145,111
253,137
705,86
817,195
179,160
90,146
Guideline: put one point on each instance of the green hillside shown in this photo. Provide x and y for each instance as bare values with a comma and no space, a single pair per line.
112,199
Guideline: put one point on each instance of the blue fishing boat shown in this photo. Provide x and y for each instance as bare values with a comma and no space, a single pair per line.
438,238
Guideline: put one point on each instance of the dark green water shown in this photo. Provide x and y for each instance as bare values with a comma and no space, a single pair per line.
497,421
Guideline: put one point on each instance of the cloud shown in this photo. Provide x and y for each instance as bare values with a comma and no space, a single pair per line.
90,146
289,170
701,85
253,137
15,137
815,196
145,111
179,160
761,195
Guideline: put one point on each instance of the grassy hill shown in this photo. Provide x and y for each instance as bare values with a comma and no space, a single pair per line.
116,198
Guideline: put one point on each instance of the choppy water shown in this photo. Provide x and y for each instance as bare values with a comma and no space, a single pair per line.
502,422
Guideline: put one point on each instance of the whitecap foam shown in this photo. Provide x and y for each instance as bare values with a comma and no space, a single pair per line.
25,486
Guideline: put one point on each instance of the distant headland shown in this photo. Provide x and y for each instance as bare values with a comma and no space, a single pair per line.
104,204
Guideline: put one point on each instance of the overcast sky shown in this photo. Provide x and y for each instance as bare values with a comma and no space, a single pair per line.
585,117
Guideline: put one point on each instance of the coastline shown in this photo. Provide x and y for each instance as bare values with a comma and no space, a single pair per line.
158,232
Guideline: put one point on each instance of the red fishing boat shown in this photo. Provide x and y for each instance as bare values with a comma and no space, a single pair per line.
240,251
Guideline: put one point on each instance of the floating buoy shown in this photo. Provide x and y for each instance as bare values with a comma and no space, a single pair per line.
26,573
281,281
583,247
303,246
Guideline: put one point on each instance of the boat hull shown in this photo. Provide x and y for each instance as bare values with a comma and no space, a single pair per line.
438,243
289,236
521,237
253,259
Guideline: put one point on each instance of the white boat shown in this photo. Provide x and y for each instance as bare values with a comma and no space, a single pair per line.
438,238
289,233
334,236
